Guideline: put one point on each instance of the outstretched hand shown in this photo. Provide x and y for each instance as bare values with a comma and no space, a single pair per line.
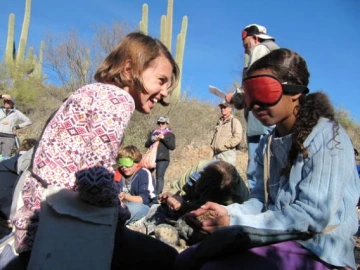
228,97
208,218
172,201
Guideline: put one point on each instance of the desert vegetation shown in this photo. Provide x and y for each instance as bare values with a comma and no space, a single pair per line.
67,61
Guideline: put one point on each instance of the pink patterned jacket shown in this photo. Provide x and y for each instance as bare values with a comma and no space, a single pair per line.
77,151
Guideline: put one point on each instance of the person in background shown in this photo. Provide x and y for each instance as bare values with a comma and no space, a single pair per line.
11,120
305,181
137,183
166,138
217,181
257,43
78,149
228,134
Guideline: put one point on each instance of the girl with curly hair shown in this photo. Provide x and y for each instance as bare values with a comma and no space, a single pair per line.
306,178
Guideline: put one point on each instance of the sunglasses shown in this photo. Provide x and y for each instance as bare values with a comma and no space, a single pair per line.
267,90
161,123
125,162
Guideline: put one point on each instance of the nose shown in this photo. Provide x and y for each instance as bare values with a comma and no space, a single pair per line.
164,91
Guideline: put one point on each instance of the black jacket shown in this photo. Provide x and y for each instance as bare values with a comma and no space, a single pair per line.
165,145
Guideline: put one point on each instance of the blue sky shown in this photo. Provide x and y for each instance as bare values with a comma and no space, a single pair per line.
325,32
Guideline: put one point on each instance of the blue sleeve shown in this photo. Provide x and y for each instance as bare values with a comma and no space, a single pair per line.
317,187
140,185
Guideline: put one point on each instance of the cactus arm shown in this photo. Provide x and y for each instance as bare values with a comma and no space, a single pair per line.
24,33
169,23
143,25
179,58
163,29
9,51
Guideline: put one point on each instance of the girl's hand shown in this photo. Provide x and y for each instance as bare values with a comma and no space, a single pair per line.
209,217
172,201
228,97
162,198
161,136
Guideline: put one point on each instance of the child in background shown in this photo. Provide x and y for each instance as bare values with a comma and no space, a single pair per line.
312,182
137,183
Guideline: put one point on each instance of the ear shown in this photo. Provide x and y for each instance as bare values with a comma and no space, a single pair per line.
295,97
127,69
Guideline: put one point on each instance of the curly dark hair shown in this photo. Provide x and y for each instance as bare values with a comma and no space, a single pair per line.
218,183
290,67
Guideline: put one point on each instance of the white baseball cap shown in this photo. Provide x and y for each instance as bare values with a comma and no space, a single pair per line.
257,30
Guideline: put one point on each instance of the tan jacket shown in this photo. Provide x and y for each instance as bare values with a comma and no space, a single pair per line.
227,135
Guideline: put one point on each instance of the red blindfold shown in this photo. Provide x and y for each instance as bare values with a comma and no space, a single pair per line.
266,90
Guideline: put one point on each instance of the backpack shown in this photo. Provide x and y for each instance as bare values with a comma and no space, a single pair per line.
237,147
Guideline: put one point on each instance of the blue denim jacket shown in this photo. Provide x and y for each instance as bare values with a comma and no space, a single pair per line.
322,191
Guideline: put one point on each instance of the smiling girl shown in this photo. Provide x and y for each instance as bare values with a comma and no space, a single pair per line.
78,148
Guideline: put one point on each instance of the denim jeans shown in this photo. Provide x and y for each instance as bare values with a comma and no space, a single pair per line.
161,166
137,211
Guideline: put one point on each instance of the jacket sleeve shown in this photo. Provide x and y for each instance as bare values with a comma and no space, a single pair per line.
141,186
25,120
326,175
169,140
148,142
99,157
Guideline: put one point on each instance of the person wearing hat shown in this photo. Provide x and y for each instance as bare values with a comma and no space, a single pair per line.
257,43
166,139
228,134
9,123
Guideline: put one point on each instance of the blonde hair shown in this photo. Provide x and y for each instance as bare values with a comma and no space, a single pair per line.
130,151
140,50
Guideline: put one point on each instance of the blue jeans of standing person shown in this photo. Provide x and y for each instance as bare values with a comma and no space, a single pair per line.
161,166
137,210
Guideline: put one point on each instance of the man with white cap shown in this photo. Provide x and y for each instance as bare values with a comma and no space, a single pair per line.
257,43
228,134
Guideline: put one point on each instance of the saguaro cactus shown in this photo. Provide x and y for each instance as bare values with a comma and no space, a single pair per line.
166,25
179,58
143,25
18,64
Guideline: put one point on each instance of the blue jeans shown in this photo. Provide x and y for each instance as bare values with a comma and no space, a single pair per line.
161,166
137,211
